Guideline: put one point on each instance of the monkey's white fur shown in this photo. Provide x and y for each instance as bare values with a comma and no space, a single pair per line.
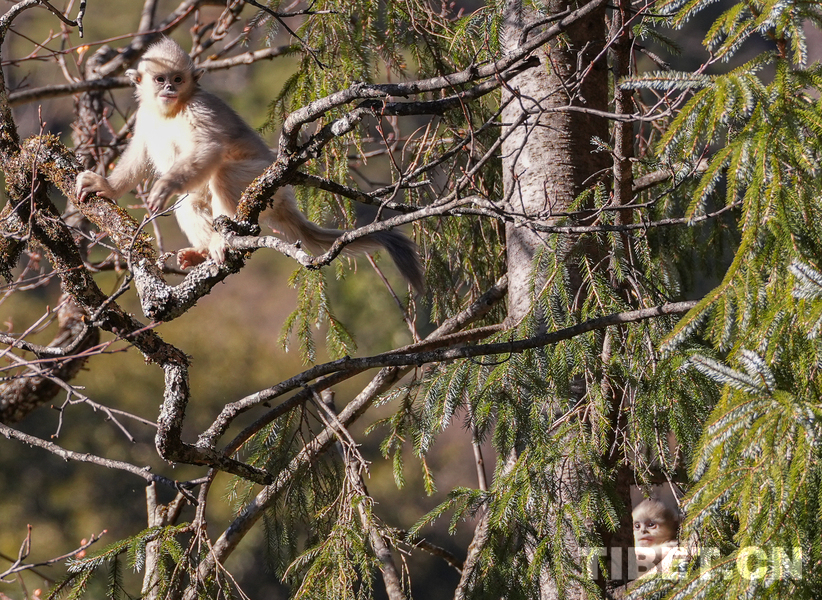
200,149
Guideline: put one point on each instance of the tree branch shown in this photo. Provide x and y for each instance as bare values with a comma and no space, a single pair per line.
143,472
110,83
18,565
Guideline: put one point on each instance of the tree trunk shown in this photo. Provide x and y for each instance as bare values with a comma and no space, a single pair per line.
548,159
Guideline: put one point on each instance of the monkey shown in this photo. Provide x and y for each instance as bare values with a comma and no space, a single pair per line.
204,152
655,531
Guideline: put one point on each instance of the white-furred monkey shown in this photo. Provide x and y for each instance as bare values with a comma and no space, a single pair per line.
200,149
655,530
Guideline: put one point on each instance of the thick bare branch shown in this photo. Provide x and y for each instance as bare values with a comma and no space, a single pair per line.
399,358
67,89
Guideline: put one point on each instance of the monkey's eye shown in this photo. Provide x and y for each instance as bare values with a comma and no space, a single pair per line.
637,525
178,79
651,523
160,79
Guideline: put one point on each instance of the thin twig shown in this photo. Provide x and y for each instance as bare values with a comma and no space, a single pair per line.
144,472
19,566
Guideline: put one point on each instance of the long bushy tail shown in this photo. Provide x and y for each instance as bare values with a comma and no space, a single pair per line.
286,218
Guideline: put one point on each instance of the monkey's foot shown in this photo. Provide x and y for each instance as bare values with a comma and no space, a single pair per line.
189,257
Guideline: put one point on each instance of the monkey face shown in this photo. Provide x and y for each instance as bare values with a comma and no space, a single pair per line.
165,77
168,86
170,89
651,532
653,525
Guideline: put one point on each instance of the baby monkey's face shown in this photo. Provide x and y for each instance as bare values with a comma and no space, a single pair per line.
653,524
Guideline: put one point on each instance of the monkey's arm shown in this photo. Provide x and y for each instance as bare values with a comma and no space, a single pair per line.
190,171
130,169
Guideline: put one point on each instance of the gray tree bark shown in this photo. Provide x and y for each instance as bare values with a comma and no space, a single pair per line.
548,159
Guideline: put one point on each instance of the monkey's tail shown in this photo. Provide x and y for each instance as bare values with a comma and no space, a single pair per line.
286,218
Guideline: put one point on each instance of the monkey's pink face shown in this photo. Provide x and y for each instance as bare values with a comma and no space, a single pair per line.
652,530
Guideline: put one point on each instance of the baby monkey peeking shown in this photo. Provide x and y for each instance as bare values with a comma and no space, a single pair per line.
200,149
655,531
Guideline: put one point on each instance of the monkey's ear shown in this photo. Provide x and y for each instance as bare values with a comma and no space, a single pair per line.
134,75
197,73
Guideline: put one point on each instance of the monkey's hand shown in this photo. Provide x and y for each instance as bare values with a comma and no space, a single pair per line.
217,249
161,191
89,182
